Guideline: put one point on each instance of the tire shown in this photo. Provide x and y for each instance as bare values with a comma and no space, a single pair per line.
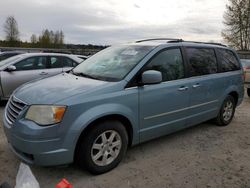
226,113
248,92
94,148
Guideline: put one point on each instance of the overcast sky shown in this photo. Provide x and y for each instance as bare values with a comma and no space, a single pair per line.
117,21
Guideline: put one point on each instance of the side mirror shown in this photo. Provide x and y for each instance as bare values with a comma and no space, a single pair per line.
11,68
151,77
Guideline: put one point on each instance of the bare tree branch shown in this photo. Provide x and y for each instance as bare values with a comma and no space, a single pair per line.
11,30
237,24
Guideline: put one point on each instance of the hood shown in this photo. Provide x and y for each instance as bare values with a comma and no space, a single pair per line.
56,88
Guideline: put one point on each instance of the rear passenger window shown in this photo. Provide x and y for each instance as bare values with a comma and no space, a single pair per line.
202,61
228,60
169,63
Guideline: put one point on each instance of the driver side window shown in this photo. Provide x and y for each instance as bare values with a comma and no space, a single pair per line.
169,63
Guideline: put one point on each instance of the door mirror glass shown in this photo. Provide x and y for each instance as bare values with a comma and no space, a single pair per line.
151,77
11,68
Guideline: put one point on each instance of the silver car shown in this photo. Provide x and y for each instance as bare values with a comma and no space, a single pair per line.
23,68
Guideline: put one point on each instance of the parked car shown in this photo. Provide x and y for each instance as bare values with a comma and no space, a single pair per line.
23,68
246,67
120,97
8,54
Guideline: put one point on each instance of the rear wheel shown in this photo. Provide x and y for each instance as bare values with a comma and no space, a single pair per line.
103,147
248,92
226,113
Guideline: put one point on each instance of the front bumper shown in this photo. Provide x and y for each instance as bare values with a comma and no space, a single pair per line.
37,145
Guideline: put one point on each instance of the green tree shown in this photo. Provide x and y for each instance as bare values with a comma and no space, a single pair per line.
33,39
51,39
44,39
237,24
61,38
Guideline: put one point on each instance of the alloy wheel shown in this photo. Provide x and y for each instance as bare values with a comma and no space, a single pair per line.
106,148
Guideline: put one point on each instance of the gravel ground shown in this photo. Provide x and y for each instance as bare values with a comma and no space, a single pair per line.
201,156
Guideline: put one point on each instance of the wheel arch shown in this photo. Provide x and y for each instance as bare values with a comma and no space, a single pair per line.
235,92
235,95
117,117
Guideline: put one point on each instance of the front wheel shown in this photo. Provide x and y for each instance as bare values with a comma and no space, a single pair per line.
226,113
103,147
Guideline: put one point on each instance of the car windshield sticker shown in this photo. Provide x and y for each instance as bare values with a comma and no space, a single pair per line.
129,52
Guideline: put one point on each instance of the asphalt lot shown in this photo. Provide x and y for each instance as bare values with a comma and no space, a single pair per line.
201,156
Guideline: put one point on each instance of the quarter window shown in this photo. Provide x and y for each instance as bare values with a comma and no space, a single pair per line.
228,60
202,61
31,63
169,63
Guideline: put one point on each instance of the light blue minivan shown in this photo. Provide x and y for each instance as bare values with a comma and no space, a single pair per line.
120,97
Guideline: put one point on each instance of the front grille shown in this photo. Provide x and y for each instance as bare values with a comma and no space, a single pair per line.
13,109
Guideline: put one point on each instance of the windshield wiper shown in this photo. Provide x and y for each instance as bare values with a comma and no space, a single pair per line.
84,75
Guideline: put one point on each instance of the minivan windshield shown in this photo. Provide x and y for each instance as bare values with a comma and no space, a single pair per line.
113,63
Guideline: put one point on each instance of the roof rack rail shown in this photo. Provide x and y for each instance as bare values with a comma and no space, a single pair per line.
153,39
213,43
172,40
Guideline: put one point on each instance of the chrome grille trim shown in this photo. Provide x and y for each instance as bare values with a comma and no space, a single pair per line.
9,119
13,109
11,113
16,105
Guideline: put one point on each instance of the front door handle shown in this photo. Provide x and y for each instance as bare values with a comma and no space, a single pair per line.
196,85
43,73
183,88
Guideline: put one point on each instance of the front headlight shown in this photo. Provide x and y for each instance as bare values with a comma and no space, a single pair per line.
45,115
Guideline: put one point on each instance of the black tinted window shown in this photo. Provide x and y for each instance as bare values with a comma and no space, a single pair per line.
31,63
202,61
169,63
228,60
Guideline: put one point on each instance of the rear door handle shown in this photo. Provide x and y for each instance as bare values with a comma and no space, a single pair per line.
43,73
183,88
196,85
